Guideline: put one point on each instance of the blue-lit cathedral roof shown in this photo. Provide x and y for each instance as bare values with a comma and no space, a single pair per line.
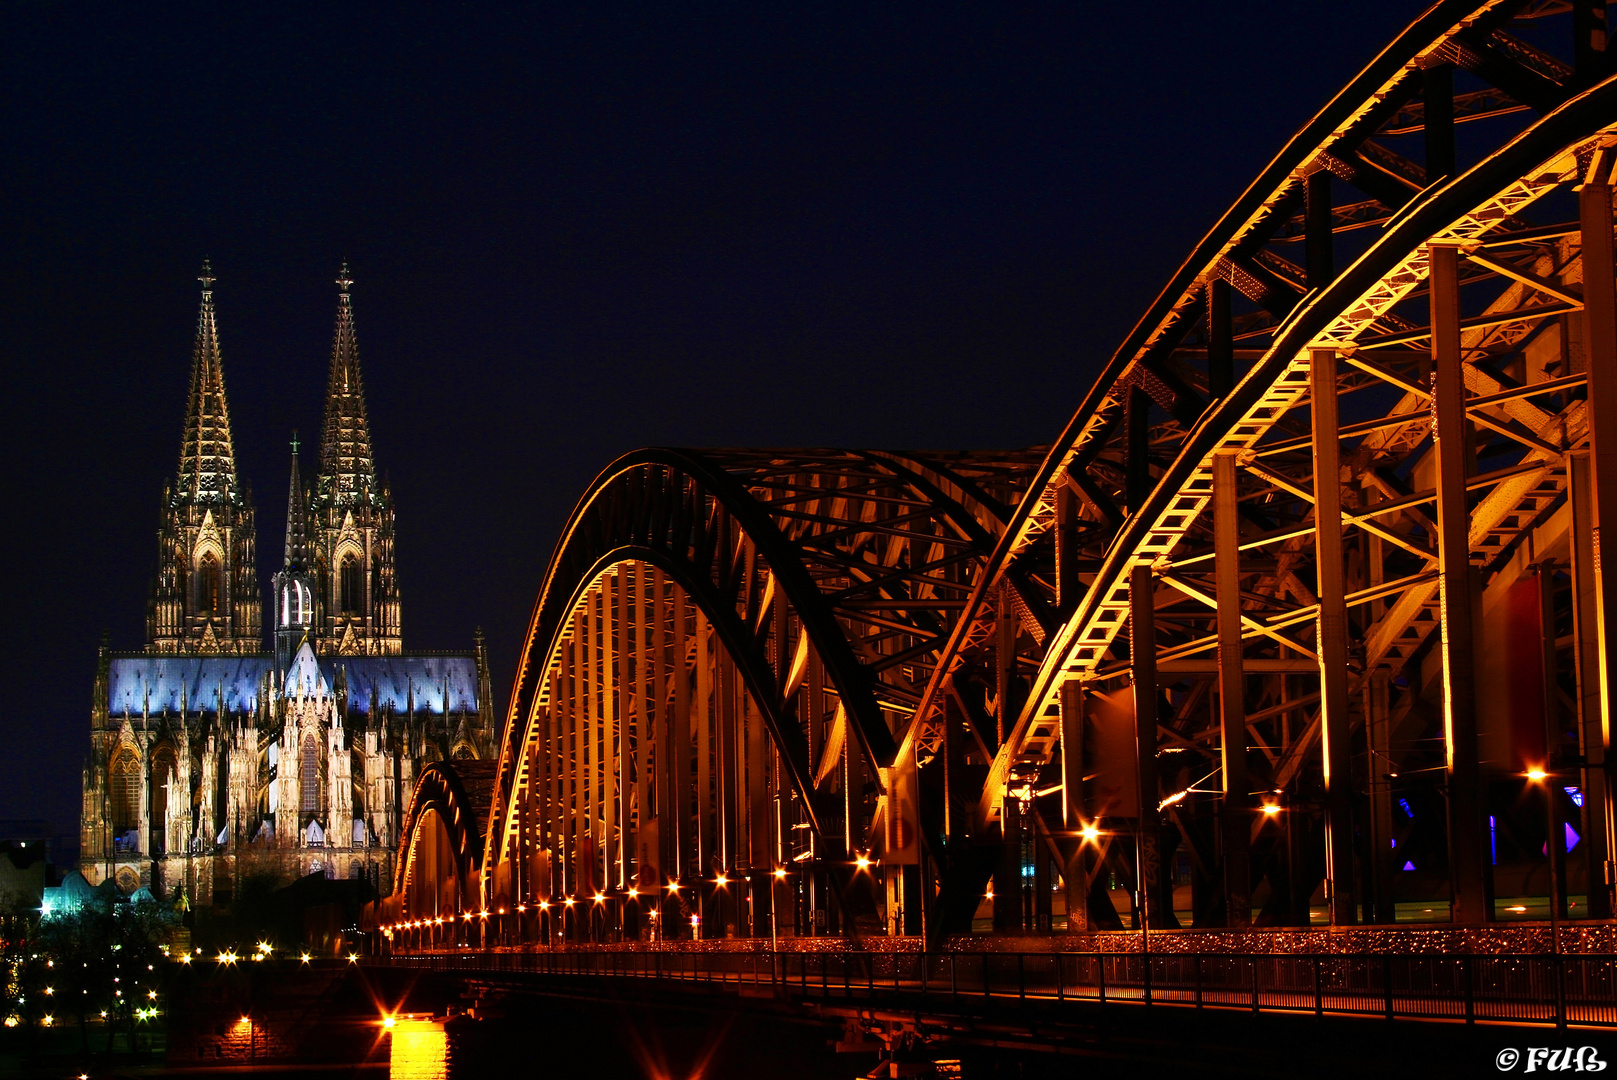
429,683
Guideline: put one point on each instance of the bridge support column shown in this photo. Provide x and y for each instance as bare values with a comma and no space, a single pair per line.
1600,346
1075,871
1236,817
1467,869
1331,641
1156,895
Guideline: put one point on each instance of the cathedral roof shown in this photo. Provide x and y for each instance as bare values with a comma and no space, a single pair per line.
198,682
347,468
304,676
207,455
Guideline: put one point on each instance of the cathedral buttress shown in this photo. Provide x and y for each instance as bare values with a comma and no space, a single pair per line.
206,595
358,590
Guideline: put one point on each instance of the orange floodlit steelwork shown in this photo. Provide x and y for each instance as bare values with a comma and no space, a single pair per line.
1378,398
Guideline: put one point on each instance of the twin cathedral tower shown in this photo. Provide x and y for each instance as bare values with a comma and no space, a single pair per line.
212,757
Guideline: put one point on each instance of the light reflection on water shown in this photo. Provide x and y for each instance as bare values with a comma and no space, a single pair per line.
420,1050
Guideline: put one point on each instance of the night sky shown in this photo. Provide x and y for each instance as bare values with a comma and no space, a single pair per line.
574,231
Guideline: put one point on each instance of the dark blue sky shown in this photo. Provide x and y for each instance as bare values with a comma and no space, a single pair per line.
574,231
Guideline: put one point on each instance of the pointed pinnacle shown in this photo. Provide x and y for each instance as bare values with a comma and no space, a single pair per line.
206,277
343,279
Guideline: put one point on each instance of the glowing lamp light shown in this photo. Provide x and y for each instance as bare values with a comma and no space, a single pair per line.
673,886
1536,775
388,1021
47,1020
600,898
265,947
570,901
633,892
483,914
439,920
467,917
502,911
721,881
544,905
304,958
245,1020
780,873
862,862
353,958
50,990
521,908
1090,833
1270,809
152,994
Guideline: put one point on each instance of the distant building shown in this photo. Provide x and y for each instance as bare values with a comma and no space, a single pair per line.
212,758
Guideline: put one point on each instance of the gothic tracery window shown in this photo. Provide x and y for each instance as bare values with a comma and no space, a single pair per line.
208,584
125,791
351,585
309,778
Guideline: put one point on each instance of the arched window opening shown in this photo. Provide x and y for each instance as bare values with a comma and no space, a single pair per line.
208,584
296,608
162,777
125,796
351,585
309,778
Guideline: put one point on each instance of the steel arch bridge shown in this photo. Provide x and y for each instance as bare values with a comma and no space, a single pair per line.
823,692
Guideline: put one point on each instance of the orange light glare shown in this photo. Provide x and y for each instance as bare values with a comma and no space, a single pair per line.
1270,809
1536,775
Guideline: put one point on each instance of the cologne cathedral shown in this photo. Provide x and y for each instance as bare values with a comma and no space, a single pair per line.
212,758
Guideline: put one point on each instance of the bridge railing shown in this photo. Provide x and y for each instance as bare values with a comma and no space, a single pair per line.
1517,989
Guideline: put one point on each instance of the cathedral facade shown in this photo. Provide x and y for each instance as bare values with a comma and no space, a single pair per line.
214,758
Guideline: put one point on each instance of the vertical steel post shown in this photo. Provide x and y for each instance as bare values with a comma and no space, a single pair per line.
611,840
1075,874
1331,641
1220,339
676,839
1555,838
1235,819
1068,587
1437,93
1600,347
1137,437
1318,224
1467,867
1591,725
1379,905
1154,907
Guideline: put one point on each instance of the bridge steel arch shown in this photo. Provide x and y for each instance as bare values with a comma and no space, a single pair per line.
1134,656
1268,684
437,881
726,648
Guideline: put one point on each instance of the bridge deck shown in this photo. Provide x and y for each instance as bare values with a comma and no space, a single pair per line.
1536,989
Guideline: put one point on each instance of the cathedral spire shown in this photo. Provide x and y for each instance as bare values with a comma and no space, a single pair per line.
207,456
297,519
347,467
